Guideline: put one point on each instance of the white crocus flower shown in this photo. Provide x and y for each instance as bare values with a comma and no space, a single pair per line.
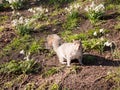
18,13
46,10
30,10
14,22
108,44
95,33
22,52
92,5
13,12
101,30
102,39
21,20
27,56
87,9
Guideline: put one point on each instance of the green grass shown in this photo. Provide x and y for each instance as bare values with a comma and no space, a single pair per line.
19,67
18,43
54,87
72,21
50,72
37,46
26,43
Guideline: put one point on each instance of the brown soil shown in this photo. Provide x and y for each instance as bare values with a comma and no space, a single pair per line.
90,76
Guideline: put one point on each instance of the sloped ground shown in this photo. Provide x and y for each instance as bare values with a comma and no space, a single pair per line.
91,76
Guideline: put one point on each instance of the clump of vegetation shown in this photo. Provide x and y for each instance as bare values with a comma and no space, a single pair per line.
54,87
75,69
94,44
94,12
72,17
23,25
16,4
4,5
97,33
38,12
50,72
18,43
18,67
35,47
72,21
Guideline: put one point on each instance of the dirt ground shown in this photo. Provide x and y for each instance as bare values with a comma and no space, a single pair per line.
90,76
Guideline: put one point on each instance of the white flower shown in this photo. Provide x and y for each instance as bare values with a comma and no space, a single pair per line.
73,7
13,12
22,52
14,22
102,39
92,5
101,30
30,10
97,43
26,21
108,44
21,20
95,33
27,56
18,13
87,8
96,8
46,10
76,6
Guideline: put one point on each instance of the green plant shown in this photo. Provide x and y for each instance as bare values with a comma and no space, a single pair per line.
18,43
94,44
75,69
4,5
23,25
37,46
116,2
54,87
16,4
50,72
23,29
38,12
96,33
34,47
94,12
19,67
72,21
